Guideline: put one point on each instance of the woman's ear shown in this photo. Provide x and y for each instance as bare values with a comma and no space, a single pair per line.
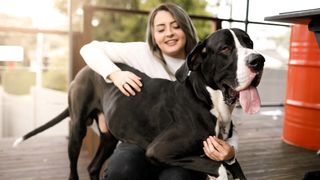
193,62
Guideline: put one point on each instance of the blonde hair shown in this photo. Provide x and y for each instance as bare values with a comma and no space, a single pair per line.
182,19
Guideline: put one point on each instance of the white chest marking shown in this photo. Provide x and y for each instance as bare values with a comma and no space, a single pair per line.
222,173
242,54
221,111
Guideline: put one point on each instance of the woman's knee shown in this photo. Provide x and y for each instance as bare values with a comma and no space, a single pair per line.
125,172
127,162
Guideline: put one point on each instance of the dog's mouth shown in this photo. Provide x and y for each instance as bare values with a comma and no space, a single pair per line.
230,95
247,95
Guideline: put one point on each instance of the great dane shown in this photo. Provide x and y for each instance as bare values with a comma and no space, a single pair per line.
169,119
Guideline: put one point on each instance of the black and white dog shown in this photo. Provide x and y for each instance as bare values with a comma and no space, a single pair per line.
169,119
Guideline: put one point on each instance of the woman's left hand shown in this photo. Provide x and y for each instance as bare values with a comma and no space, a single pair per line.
217,149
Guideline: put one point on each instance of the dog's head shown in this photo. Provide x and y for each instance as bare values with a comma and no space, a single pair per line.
226,61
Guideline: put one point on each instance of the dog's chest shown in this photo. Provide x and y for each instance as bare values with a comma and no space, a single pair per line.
222,112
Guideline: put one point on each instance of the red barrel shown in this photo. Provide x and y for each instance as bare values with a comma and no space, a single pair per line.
302,106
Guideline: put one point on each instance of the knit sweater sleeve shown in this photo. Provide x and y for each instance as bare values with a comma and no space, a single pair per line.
101,55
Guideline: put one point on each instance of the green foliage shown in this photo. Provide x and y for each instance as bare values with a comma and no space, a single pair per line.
56,74
18,82
62,6
55,80
122,27
191,6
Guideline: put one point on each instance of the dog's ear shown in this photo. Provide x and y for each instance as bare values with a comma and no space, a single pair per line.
193,62
182,72
195,58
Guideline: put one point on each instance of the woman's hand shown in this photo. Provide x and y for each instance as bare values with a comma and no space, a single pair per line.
217,149
127,82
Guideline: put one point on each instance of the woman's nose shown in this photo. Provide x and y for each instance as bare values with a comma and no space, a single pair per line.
169,32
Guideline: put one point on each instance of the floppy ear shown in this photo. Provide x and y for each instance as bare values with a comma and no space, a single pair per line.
195,58
193,62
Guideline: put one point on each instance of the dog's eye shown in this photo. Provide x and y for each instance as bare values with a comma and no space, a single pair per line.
225,49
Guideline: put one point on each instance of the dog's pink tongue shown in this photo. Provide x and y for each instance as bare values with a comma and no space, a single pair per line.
250,100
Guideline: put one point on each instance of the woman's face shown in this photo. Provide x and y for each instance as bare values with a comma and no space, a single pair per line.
169,37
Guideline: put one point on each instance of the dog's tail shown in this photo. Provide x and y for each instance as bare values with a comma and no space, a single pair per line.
64,114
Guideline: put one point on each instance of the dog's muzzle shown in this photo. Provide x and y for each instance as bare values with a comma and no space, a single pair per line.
255,62
248,94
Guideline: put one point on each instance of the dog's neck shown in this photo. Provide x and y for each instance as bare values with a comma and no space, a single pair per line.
198,84
214,100
222,111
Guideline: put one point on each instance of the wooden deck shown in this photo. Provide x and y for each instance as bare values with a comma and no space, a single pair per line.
262,154
39,158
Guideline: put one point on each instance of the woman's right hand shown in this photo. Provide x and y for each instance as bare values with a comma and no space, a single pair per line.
127,82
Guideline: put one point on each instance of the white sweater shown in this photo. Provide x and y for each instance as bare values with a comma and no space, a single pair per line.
101,56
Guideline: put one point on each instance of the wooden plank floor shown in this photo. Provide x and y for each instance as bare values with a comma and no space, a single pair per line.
262,154
39,158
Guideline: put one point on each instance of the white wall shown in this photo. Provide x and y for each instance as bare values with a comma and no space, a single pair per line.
17,114
21,114
48,104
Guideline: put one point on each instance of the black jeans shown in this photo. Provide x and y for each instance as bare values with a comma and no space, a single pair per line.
128,162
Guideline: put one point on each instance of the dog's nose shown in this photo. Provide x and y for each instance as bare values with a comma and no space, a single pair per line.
255,62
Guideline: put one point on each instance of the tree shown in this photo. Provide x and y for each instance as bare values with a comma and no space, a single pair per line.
131,27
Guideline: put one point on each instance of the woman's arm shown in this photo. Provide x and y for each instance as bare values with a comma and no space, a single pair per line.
101,56
96,56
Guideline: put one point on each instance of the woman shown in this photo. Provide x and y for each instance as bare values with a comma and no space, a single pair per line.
170,37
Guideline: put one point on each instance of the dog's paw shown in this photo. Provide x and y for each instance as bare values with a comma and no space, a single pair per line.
318,153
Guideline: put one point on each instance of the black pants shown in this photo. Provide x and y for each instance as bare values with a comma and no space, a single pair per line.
128,162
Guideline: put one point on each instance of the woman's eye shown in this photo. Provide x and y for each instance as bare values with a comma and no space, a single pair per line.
176,26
